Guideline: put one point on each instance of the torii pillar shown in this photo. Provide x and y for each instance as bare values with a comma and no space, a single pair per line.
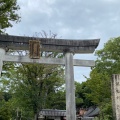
52,45
70,87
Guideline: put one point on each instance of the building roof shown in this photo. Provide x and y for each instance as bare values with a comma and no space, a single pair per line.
92,112
52,112
89,115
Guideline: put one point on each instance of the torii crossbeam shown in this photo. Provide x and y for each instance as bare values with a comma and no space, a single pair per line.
69,47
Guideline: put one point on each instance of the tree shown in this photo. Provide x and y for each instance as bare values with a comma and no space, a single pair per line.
100,94
35,86
5,111
107,63
109,56
8,13
81,100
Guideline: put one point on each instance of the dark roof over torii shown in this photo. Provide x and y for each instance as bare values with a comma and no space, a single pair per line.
49,44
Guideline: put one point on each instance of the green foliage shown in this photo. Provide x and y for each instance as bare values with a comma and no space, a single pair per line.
81,100
57,100
33,87
5,112
99,83
106,110
109,57
8,13
35,83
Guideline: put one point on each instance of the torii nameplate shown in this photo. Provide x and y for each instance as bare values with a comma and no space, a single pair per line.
49,44
34,49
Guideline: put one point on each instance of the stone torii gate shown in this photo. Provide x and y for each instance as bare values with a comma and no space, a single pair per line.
69,47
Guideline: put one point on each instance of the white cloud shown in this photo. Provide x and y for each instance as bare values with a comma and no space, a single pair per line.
73,19
96,34
36,8
111,1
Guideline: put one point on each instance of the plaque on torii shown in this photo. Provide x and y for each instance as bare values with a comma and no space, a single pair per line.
68,47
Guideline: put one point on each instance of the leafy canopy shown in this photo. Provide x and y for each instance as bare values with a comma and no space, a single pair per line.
8,13
107,63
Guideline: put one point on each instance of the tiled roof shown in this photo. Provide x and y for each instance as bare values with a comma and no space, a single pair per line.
92,112
52,112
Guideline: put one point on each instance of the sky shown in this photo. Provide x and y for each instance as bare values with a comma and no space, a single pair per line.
70,19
